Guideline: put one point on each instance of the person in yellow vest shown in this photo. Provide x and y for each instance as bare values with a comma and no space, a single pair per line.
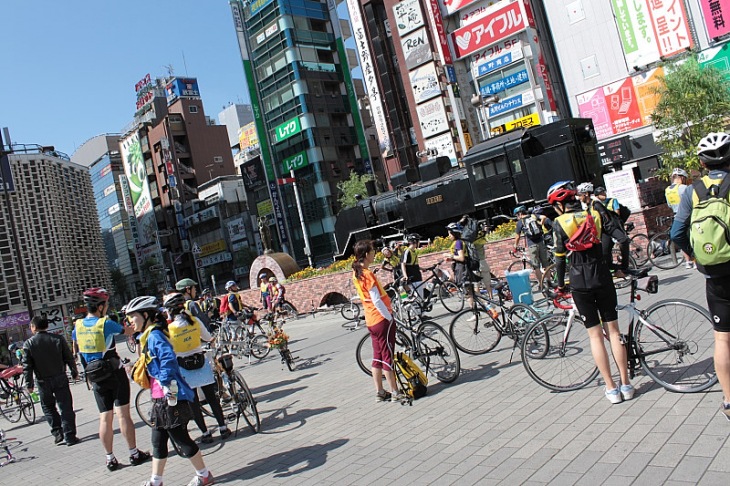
458,255
93,337
712,253
264,289
409,264
591,285
234,305
391,260
187,334
673,194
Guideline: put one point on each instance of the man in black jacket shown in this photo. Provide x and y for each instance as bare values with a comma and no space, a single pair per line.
46,356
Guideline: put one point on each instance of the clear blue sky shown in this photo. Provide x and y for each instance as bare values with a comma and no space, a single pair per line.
68,69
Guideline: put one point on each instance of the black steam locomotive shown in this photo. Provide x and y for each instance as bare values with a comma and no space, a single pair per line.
497,175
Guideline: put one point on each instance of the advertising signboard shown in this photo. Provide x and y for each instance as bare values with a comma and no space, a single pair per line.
408,16
499,85
236,229
6,174
717,57
497,59
296,161
497,23
472,10
144,90
716,14
253,174
432,117
139,189
524,122
444,146
248,138
645,85
440,31
182,88
623,107
593,105
651,29
425,82
287,129
511,103
416,48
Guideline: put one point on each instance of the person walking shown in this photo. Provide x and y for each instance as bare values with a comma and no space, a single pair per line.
187,335
379,320
409,264
93,336
458,256
189,289
171,410
673,194
528,225
46,357
591,284
480,239
707,242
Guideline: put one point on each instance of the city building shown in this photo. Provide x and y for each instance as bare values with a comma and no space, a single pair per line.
48,208
101,156
234,117
306,116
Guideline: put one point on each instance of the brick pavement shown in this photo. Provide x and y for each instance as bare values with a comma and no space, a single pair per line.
494,425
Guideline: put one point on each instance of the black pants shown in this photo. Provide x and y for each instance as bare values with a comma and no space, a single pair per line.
215,406
187,446
607,247
55,391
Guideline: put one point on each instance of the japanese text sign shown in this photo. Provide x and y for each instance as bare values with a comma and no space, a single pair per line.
501,22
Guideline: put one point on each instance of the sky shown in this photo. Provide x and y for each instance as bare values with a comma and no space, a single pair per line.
68,69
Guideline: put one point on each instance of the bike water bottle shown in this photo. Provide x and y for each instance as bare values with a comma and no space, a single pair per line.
492,310
403,295
172,398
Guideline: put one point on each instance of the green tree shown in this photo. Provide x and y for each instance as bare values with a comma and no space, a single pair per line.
119,286
693,101
351,187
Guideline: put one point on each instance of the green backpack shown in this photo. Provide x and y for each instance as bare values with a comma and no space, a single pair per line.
710,222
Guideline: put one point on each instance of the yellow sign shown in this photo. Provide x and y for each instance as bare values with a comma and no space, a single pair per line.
467,140
265,208
528,121
210,248
248,137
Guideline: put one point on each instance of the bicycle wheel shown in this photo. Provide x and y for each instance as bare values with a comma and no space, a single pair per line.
260,346
638,249
27,407
288,309
131,344
558,358
474,331
451,296
520,265
625,281
350,312
245,402
664,253
143,405
287,358
521,316
364,350
676,342
10,407
437,352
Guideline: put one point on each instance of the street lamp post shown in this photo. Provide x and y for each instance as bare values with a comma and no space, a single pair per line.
479,102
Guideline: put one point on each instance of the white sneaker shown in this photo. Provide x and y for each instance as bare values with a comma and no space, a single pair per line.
690,265
627,392
614,396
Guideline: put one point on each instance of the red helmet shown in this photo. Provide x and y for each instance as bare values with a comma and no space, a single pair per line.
560,191
95,296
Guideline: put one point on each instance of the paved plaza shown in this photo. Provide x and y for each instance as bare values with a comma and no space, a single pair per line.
494,425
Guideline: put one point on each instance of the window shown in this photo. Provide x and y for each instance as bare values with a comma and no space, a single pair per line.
193,109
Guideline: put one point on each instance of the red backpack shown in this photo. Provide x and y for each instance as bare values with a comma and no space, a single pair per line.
585,236
223,309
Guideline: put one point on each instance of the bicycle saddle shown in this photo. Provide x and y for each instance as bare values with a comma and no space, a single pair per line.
637,272
499,286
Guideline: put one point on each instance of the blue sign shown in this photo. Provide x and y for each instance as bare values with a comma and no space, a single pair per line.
278,212
172,181
503,84
182,88
494,64
506,105
6,175
450,73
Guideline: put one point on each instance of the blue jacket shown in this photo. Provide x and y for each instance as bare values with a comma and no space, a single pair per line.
164,367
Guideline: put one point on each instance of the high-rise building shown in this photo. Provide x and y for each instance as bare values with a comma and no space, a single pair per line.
101,156
60,248
306,116
234,117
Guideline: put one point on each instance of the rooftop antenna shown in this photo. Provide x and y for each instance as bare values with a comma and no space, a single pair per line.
170,70
185,64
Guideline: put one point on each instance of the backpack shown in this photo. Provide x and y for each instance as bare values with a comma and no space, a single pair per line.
411,378
709,232
585,237
623,211
223,310
531,228
472,264
470,231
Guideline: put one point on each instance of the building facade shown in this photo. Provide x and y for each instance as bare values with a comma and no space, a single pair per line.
60,246
234,117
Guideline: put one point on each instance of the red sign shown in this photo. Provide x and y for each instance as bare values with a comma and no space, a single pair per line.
623,106
501,23
441,32
286,180
717,16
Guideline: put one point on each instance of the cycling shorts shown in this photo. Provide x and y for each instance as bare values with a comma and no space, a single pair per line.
112,392
596,306
718,301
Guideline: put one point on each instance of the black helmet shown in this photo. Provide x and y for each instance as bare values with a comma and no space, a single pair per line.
413,237
174,300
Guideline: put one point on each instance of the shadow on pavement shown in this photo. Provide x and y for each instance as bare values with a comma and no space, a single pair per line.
263,388
279,418
286,464
275,395
312,362
676,278
467,375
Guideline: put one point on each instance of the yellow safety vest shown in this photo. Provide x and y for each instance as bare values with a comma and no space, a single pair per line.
91,339
672,195
571,221
184,338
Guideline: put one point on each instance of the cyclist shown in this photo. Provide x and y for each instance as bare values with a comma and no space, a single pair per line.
210,304
611,229
187,334
391,260
189,289
409,264
714,154
264,289
590,280
162,367
235,309
378,318
528,225
458,256
478,246
673,194
276,293
93,337
546,224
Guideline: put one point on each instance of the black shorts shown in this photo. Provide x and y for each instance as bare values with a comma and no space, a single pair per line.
113,392
718,301
596,306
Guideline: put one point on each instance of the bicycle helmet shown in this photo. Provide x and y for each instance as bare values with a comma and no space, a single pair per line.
455,228
174,300
186,282
537,210
679,172
272,279
230,284
143,303
95,296
584,188
206,291
599,190
519,209
714,149
413,238
560,191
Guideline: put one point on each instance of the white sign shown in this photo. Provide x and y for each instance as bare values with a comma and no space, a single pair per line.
216,258
196,249
109,190
444,147
474,11
622,186
416,48
236,229
408,16
425,83
113,209
432,117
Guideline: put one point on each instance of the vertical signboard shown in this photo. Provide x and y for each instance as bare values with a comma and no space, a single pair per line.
645,85
432,117
408,16
497,23
716,14
425,83
416,48
139,189
622,105
593,105
443,145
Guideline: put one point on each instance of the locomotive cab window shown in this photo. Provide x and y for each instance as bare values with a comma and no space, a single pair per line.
490,168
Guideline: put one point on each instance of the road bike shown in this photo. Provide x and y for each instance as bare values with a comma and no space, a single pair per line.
424,341
277,339
672,341
15,401
664,253
638,244
241,338
410,304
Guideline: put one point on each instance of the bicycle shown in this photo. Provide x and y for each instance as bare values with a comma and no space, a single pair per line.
664,253
16,401
237,339
437,284
426,342
638,244
277,339
672,340
7,443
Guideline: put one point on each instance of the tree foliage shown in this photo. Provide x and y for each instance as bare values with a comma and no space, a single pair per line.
693,101
351,187
119,285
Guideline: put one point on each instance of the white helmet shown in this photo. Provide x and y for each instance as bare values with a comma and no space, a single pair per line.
230,284
680,172
714,149
142,303
585,187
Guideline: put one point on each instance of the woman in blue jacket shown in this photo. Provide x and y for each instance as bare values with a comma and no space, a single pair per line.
170,421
